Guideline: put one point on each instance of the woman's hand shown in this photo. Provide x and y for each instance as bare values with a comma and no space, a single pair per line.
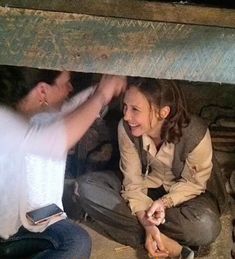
153,242
156,213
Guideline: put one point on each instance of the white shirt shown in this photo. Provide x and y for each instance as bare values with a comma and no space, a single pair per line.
32,164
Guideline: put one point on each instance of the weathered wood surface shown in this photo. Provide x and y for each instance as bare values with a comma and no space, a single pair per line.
140,10
118,46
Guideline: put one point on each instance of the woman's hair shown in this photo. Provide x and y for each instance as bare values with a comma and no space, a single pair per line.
160,93
17,82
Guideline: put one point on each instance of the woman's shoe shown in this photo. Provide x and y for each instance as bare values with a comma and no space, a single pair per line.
186,253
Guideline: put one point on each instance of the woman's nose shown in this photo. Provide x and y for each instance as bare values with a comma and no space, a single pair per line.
126,115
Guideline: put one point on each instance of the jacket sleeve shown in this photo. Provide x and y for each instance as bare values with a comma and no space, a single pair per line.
196,172
134,189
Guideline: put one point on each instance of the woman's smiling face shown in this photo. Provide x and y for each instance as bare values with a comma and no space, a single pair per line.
138,113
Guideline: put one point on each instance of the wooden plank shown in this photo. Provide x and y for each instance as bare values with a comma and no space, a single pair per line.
117,46
140,10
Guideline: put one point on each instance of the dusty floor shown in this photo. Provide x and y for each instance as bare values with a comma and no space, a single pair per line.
104,247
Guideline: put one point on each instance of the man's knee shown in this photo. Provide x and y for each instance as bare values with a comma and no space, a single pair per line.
79,243
78,239
82,235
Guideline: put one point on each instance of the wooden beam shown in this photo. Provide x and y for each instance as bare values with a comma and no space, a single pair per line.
86,43
140,10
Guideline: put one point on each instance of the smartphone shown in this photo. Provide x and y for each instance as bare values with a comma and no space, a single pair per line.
42,214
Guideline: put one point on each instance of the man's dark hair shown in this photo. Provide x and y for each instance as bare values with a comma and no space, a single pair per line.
17,82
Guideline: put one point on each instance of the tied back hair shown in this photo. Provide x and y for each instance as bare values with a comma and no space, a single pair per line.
160,93
17,82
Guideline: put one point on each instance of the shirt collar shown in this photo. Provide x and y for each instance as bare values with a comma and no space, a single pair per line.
149,145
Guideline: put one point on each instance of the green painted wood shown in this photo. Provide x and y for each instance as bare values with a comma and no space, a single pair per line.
117,46
141,10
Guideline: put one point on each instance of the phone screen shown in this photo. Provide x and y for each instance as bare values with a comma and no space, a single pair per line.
44,213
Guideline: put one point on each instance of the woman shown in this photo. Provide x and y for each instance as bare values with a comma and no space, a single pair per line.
166,162
35,135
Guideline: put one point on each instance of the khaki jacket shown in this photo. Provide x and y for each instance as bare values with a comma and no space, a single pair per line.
192,181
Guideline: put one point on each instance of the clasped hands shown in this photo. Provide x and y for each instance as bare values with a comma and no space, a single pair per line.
150,219
156,213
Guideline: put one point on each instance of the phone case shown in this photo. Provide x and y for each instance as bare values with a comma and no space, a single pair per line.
44,213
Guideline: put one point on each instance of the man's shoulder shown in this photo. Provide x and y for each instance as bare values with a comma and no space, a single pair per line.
12,126
10,118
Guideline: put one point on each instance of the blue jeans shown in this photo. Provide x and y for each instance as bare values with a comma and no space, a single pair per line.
61,240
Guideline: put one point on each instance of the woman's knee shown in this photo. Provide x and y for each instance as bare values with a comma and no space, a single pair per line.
202,231
86,185
192,225
95,182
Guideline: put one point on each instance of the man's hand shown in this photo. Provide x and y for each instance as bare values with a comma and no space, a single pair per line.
111,86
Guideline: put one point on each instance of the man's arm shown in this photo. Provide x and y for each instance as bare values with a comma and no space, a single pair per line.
79,121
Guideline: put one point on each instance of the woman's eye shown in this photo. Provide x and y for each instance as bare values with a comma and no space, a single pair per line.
135,110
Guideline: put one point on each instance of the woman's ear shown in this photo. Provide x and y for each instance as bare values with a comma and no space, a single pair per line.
164,112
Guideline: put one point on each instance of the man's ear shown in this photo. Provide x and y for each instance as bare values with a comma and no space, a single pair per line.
164,112
41,91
